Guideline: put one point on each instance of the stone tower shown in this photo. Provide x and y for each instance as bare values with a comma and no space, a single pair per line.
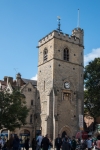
60,82
18,79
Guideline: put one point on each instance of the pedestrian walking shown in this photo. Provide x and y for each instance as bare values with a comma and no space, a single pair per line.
65,144
73,143
50,144
10,142
1,143
33,144
27,144
58,142
16,143
89,143
45,143
98,143
38,142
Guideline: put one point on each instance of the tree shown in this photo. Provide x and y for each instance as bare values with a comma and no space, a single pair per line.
92,88
13,111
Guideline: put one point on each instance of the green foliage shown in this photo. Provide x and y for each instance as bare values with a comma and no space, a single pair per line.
13,111
92,86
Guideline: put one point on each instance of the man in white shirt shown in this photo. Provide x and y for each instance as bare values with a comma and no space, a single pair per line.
39,140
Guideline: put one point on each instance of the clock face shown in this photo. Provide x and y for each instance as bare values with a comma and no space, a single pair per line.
67,85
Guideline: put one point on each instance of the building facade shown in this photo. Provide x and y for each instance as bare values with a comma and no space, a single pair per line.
60,82
28,88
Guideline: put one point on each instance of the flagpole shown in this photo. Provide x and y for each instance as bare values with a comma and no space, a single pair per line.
78,19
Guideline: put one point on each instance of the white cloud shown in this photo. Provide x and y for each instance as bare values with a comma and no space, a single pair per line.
89,57
34,78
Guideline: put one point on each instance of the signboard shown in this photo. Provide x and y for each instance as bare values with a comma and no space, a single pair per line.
81,122
24,134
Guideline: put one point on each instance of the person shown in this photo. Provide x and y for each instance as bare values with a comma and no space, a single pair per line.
10,142
1,143
16,143
89,143
20,144
83,144
38,141
45,143
65,144
4,146
50,144
33,144
58,142
27,144
77,144
98,143
69,140
73,143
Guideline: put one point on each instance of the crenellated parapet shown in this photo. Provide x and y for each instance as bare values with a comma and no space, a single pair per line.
60,36
79,33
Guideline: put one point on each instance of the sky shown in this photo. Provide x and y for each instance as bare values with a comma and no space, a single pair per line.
24,22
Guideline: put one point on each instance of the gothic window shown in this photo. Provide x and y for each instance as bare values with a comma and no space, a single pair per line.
31,102
66,54
45,55
31,118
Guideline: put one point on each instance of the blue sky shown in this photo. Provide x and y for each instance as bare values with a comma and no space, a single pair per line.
24,22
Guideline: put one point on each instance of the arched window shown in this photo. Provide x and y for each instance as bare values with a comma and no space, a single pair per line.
31,118
45,55
66,54
32,102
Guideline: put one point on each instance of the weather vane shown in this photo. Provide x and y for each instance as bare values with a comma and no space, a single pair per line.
58,29
15,69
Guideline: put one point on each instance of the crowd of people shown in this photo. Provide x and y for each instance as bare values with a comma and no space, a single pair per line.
67,143
14,143
45,143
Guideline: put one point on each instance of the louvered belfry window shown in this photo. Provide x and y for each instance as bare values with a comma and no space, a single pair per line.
45,55
66,54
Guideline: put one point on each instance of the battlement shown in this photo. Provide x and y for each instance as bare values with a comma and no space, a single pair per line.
78,29
61,36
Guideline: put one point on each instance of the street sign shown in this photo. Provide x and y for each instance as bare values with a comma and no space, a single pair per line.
81,122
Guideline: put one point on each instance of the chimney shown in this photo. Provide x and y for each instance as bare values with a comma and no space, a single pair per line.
8,80
5,78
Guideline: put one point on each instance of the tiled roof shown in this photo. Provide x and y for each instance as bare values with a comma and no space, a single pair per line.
34,82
